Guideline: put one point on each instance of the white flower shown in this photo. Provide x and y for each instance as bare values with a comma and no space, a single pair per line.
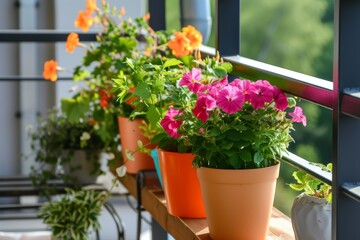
85,136
111,155
121,171
74,88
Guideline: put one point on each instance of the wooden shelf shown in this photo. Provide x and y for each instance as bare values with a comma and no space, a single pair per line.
153,200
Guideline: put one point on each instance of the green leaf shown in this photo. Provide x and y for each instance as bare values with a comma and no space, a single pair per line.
153,115
296,187
227,145
80,74
220,72
74,109
227,66
258,157
130,63
140,144
214,132
158,137
239,127
126,44
232,135
299,176
172,62
235,161
182,148
129,155
143,91
245,155
246,135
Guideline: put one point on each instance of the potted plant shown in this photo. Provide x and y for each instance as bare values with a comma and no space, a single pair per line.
237,130
146,88
66,150
117,40
74,215
311,210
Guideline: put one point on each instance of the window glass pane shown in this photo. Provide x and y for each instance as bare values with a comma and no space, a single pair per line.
296,35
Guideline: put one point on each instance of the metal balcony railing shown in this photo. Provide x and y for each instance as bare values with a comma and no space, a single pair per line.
342,95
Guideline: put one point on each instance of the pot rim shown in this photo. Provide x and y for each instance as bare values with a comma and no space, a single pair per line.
242,176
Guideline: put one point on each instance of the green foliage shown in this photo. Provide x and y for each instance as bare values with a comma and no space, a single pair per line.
151,80
53,144
311,185
119,38
72,217
247,138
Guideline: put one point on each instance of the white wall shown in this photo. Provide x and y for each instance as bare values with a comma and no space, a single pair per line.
64,20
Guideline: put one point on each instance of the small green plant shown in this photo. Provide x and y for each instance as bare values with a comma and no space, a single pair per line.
72,217
53,144
311,185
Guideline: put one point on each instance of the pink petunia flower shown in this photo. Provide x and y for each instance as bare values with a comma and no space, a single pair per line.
204,105
230,99
244,86
192,80
170,124
298,116
260,92
280,99
223,82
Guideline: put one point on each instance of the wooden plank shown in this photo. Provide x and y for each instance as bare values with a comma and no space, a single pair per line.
153,200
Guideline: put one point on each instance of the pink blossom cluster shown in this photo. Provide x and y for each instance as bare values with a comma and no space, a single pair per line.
229,97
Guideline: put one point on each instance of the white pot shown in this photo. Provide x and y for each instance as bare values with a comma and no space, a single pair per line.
311,218
81,168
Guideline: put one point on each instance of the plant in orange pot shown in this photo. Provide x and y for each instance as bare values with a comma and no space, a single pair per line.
155,90
145,89
237,131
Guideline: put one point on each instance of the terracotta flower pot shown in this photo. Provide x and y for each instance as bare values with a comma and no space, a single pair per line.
238,203
311,218
130,134
181,185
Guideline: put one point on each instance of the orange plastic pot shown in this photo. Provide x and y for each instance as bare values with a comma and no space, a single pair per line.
181,185
238,203
130,134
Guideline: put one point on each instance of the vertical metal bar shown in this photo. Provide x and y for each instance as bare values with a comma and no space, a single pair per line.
139,184
28,90
157,11
346,141
228,27
157,232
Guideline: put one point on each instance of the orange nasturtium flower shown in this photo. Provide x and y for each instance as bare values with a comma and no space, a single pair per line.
122,12
72,41
146,17
84,21
50,68
193,35
180,45
91,6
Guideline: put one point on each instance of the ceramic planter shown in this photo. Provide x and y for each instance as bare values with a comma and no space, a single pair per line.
181,185
130,134
238,203
311,218
155,157
80,168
